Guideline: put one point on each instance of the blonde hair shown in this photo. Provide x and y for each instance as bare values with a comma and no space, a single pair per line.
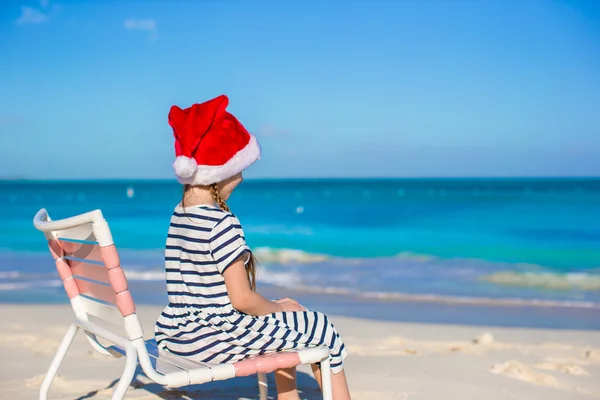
252,263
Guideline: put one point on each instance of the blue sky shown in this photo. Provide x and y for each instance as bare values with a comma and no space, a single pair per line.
331,88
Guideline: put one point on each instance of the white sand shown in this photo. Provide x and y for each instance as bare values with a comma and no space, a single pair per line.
387,361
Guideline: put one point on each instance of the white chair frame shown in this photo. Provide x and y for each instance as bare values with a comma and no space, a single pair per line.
88,264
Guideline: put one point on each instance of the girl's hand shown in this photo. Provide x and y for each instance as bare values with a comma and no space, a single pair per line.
289,305
286,299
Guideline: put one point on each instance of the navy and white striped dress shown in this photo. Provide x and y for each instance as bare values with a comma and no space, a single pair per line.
200,322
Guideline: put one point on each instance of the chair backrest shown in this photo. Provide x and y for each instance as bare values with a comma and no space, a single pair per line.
89,266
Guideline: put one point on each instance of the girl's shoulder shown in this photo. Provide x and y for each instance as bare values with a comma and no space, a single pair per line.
206,215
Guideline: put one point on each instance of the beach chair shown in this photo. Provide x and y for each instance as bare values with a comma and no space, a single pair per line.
88,264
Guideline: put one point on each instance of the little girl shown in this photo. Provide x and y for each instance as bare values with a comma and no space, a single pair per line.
214,313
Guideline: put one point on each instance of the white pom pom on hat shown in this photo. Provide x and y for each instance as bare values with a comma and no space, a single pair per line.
185,167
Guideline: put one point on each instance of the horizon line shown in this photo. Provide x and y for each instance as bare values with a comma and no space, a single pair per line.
253,179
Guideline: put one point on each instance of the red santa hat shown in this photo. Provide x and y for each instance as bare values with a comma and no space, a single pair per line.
211,145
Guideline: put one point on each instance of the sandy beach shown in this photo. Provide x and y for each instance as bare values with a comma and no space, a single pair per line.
388,361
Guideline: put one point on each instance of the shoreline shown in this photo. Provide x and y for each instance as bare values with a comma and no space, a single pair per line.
152,294
446,299
406,276
388,360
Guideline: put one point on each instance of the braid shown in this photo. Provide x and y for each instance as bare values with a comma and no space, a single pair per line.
214,191
252,263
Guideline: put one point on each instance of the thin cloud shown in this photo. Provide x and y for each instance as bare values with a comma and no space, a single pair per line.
144,25
35,16
140,24
31,16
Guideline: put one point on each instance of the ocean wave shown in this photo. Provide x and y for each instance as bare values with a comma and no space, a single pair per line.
411,256
436,298
23,285
9,274
546,280
268,255
281,279
150,275
293,281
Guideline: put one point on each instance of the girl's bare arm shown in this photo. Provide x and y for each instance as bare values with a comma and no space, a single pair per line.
247,301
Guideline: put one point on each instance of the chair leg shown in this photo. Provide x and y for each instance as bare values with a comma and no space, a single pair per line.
263,387
57,360
128,374
326,379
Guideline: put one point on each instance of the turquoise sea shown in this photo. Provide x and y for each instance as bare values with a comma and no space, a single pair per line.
459,250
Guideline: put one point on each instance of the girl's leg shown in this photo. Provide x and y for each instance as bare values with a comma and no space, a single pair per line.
285,380
339,385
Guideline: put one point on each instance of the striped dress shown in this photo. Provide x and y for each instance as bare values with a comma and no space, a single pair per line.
200,322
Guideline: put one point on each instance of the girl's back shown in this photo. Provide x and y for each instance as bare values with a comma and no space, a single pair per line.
202,242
